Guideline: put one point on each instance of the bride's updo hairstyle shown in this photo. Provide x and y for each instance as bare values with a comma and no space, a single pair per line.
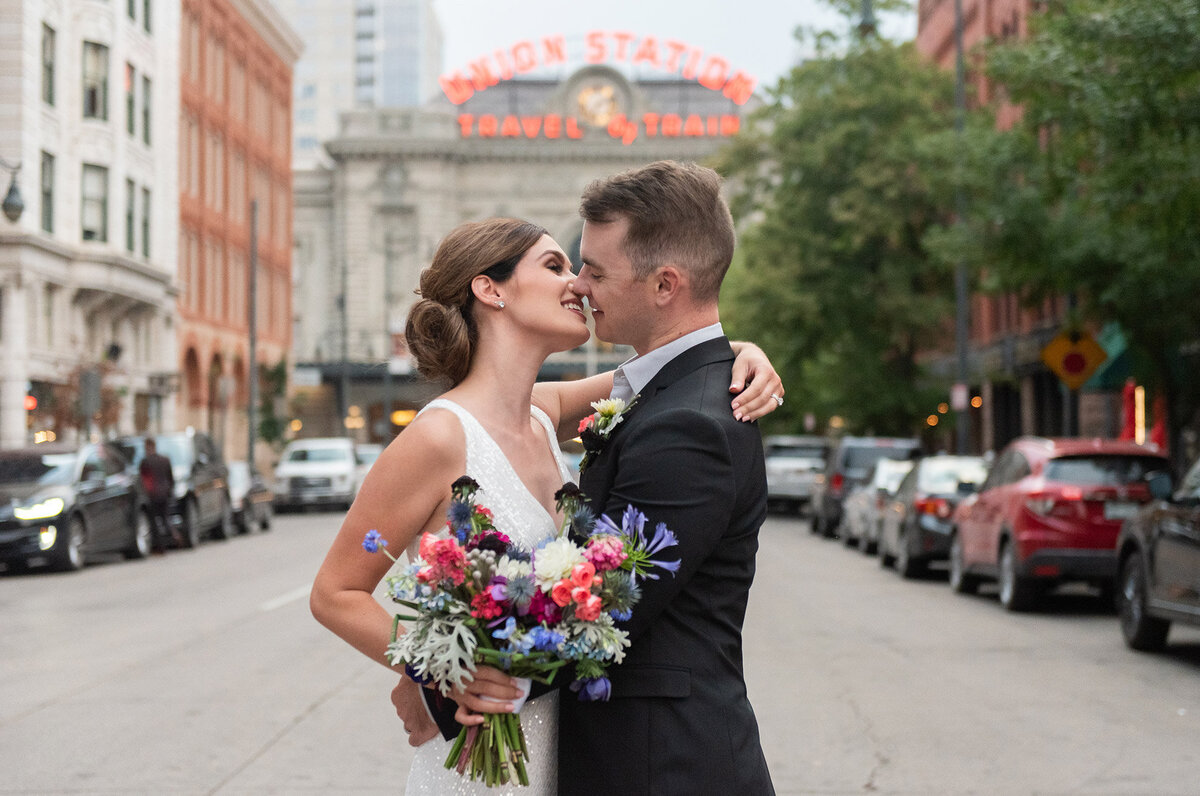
441,331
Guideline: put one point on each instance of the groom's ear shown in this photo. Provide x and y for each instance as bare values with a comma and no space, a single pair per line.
669,282
485,290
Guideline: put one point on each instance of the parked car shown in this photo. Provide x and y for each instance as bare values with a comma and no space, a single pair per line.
62,505
863,508
1158,558
202,504
847,467
916,524
793,464
1049,512
316,471
365,454
251,498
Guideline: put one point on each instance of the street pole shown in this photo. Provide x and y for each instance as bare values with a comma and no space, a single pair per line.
344,391
961,329
252,321
387,338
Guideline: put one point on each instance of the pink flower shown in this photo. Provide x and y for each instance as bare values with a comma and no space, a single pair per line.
605,552
445,560
584,576
561,593
484,607
543,609
589,609
586,422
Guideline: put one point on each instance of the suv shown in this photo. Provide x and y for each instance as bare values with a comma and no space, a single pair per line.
202,505
1049,512
1158,563
793,464
847,467
316,471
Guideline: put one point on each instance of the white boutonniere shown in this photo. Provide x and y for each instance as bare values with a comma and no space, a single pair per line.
595,429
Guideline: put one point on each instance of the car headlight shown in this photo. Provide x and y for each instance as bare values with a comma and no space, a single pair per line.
50,507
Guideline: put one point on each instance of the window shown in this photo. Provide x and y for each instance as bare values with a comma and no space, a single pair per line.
47,192
47,64
95,81
95,203
146,206
146,95
130,196
131,8
146,4
130,100
49,305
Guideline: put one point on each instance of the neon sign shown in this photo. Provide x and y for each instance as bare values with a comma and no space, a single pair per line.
667,55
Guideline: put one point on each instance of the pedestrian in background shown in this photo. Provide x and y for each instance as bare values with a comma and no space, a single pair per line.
159,482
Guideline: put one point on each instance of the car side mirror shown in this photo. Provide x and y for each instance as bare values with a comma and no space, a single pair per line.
1160,485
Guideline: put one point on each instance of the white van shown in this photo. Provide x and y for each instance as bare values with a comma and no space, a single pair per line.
315,472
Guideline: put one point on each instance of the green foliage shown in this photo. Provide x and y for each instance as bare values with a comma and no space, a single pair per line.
273,381
1096,190
834,198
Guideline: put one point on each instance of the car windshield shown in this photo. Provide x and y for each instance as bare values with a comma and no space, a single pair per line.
30,467
943,476
1102,470
317,455
239,476
889,474
177,449
861,458
367,454
780,450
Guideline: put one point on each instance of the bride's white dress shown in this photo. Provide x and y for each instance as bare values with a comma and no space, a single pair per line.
525,520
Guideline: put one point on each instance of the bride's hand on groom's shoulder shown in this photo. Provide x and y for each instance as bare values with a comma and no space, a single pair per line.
756,384
410,707
491,691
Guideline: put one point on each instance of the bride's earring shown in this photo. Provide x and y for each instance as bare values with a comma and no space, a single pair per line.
500,304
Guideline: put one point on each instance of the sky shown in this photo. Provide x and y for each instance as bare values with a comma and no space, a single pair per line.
754,36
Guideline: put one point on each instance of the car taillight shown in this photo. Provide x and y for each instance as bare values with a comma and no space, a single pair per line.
836,482
938,507
1066,502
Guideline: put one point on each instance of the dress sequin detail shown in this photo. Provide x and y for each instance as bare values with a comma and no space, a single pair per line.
520,515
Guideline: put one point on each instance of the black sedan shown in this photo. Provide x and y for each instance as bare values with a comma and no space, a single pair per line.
1158,560
916,525
61,505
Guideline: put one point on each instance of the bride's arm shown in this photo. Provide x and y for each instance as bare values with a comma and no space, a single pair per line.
754,382
404,493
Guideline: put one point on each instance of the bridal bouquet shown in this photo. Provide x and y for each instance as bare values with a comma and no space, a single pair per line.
476,599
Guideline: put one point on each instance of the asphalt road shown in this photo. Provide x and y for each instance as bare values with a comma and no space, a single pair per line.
203,673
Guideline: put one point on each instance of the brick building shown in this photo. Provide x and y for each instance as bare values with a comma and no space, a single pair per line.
235,102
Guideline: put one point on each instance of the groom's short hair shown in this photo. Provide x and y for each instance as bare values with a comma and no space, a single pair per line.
676,215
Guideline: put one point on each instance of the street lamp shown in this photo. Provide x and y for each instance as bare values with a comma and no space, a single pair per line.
13,205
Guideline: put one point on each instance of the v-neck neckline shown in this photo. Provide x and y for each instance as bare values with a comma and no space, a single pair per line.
555,520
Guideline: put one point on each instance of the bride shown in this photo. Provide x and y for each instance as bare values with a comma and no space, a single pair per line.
495,302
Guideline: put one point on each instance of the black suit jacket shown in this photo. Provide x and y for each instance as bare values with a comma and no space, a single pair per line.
678,721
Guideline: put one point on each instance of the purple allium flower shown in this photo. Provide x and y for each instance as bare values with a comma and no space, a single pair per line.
373,541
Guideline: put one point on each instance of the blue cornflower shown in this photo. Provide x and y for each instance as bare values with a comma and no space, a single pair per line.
621,616
373,541
459,513
545,639
510,627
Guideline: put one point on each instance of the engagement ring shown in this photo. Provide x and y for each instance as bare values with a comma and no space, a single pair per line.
776,399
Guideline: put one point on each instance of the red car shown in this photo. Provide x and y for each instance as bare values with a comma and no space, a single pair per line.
1049,512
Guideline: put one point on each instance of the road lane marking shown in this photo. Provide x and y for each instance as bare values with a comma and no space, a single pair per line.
288,597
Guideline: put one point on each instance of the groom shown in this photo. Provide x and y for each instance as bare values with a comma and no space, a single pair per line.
656,244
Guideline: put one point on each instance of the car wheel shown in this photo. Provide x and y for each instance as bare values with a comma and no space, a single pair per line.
191,524
224,528
1141,631
960,581
818,524
849,539
886,559
906,565
265,518
1016,593
70,554
142,541
866,546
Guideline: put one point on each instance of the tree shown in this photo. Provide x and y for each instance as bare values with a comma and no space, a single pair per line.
1095,193
833,203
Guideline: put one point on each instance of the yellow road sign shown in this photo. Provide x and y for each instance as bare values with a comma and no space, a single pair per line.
1073,357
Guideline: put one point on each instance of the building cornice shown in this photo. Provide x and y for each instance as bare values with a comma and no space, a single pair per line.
274,29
